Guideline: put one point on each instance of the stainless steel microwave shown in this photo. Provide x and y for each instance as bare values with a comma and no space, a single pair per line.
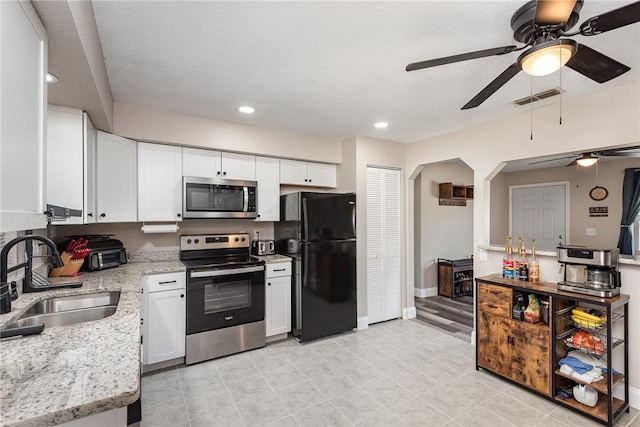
218,198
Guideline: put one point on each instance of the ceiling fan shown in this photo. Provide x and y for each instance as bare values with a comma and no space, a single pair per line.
590,158
542,26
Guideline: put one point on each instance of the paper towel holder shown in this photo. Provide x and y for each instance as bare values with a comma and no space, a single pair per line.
159,228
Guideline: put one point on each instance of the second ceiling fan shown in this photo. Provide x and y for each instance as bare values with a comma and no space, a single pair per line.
543,26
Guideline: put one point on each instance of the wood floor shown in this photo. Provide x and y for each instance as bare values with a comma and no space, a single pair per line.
453,315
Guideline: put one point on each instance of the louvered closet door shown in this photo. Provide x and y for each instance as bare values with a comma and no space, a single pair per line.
383,244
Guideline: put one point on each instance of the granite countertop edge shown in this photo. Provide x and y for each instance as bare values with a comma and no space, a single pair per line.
74,371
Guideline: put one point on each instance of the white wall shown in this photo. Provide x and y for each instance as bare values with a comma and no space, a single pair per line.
446,231
147,124
610,117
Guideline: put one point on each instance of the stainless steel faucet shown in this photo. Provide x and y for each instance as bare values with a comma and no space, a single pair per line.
7,290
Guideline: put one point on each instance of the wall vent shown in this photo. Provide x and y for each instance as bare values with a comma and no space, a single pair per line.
537,96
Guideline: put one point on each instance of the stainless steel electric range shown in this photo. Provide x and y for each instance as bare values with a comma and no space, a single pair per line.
225,296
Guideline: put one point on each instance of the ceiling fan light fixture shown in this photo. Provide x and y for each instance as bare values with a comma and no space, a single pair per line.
547,57
587,160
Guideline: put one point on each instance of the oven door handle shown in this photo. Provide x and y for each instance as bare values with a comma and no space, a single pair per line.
227,272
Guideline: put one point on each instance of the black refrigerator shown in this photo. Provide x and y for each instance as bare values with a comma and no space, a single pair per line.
318,230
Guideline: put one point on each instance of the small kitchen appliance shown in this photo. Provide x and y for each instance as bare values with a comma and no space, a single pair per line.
263,247
105,251
590,271
218,198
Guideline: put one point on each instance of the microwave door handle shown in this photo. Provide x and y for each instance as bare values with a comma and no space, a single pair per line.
245,191
228,272
100,260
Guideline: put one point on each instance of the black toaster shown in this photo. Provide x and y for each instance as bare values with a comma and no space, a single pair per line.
106,252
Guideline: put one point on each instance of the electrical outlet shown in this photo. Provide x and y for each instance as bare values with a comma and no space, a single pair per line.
483,254
256,234
591,231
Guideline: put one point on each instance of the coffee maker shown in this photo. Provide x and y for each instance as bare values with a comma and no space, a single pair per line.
590,271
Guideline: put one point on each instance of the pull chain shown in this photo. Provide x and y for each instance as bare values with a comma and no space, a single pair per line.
531,107
560,59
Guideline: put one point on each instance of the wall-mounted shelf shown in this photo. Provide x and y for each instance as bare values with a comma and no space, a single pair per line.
454,195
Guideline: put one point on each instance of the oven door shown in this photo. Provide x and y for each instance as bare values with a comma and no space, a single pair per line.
224,297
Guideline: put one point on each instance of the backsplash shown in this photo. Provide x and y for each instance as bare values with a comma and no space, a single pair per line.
17,256
165,246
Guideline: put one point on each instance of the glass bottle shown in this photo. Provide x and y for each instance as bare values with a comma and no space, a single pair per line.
534,266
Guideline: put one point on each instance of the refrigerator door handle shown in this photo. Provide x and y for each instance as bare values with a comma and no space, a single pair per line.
305,230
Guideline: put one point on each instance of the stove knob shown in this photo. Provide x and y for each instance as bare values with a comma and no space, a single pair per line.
243,239
236,239
188,241
196,241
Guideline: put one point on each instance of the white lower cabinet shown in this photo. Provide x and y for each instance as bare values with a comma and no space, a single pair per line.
278,298
163,317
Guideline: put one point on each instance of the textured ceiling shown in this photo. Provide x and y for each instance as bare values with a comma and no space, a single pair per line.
330,69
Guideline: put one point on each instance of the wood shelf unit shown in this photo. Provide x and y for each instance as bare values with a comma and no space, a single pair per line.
521,351
455,277
454,195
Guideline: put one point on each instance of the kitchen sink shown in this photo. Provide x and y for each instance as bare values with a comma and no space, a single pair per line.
61,311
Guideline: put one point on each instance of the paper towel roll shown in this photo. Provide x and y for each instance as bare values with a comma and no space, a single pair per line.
159,228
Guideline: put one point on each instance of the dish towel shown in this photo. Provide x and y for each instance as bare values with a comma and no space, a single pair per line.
576,364
588,377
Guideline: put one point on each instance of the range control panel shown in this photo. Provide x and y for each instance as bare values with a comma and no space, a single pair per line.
214,241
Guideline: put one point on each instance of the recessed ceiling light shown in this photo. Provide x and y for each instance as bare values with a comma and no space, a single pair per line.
381,125
246,109
51,78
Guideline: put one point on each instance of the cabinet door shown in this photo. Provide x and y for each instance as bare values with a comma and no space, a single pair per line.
65,160
293,172
201,163
165,339
90,144
116,179
321,175
238,166
23,69
278,305
494,343
531,355
159,182
268,177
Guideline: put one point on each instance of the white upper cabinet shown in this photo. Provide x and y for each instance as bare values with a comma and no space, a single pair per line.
268,177
159,182
216,164
23,70
71,151
90,139
116,179
294,172
238,166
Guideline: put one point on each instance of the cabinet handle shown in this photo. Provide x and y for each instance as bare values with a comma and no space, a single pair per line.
306,180
258,215
218,173
224,173
90,214
167,282
179,215
280,269
495,292
269,284
102,215
181,295
309,180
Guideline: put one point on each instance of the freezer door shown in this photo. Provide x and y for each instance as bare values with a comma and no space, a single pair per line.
325,291
327,216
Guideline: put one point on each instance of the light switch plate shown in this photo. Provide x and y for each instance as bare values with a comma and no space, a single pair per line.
483,254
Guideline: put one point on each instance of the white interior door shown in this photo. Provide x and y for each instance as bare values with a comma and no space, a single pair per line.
539,212
383,244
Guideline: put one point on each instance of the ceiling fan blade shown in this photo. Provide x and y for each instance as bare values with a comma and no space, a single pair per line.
611,20
621,152
462,57
552,160
595,65
553,12
492,87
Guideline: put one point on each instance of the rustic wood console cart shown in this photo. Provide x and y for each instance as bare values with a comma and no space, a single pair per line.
528,354
455,277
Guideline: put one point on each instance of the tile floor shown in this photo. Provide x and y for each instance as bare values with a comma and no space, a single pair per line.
397,373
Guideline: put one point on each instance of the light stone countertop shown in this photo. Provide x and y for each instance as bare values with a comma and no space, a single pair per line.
73,371
272,258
